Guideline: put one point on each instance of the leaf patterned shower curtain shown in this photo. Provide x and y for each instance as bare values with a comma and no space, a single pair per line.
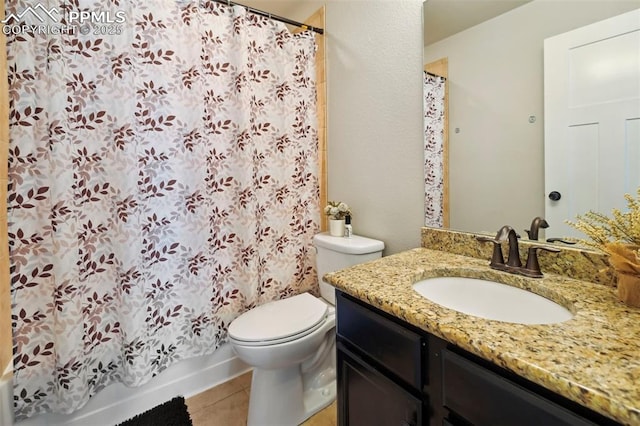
434,96
163,179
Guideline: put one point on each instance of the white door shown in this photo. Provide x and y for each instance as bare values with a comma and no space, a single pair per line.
592,119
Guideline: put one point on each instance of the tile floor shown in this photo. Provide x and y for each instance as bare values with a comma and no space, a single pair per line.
228,403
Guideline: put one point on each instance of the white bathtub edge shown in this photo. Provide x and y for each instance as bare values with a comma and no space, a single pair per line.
6,396
117,402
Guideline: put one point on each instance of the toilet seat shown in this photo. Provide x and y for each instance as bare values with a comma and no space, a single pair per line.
279,321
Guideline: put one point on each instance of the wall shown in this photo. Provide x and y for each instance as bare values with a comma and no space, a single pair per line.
375,117
496,82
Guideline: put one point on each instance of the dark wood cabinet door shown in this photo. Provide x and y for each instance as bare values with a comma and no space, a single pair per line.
366,397
482,397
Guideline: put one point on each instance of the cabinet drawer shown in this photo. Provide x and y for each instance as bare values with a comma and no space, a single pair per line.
394,347
483,397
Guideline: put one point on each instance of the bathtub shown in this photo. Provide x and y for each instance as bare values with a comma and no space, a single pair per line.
116,403
6,396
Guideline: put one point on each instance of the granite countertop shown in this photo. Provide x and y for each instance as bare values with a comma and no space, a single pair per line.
592,359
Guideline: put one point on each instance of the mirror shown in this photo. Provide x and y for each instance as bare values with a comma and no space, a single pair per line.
496,103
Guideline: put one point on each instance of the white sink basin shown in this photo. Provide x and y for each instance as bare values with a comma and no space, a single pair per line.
491,300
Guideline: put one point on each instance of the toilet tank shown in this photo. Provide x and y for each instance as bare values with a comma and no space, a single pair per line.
333,253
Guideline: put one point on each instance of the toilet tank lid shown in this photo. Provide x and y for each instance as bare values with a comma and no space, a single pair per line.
354,245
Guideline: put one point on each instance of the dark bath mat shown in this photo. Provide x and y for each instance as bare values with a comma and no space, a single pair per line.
171,413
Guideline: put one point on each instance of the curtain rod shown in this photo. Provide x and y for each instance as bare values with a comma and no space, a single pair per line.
272,16
433,74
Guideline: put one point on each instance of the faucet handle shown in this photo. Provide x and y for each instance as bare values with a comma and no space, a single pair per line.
485,239
497,260
532,268
560,240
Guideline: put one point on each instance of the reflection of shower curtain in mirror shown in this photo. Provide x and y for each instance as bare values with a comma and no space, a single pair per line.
434,92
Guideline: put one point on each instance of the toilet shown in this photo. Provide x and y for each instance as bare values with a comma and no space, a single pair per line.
290,343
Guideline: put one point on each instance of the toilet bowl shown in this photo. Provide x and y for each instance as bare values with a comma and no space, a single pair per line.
278,357
290,343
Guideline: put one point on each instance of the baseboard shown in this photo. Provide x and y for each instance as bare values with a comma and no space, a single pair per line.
117,402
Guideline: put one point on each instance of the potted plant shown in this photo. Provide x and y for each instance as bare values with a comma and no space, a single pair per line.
619,237
337,211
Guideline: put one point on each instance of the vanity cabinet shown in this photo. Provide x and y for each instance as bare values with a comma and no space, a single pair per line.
392,373
379,368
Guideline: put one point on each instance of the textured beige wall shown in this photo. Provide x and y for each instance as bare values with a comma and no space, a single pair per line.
375,124
496,163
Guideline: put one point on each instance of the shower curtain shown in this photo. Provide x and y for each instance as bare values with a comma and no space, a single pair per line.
434,92
163,179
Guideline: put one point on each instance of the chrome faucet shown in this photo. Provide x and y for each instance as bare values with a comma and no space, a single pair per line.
514,264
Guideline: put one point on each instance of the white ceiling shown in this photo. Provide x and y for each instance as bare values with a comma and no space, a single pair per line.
443,18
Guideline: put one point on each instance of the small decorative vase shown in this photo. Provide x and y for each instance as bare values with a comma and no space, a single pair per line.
629,289
336,227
